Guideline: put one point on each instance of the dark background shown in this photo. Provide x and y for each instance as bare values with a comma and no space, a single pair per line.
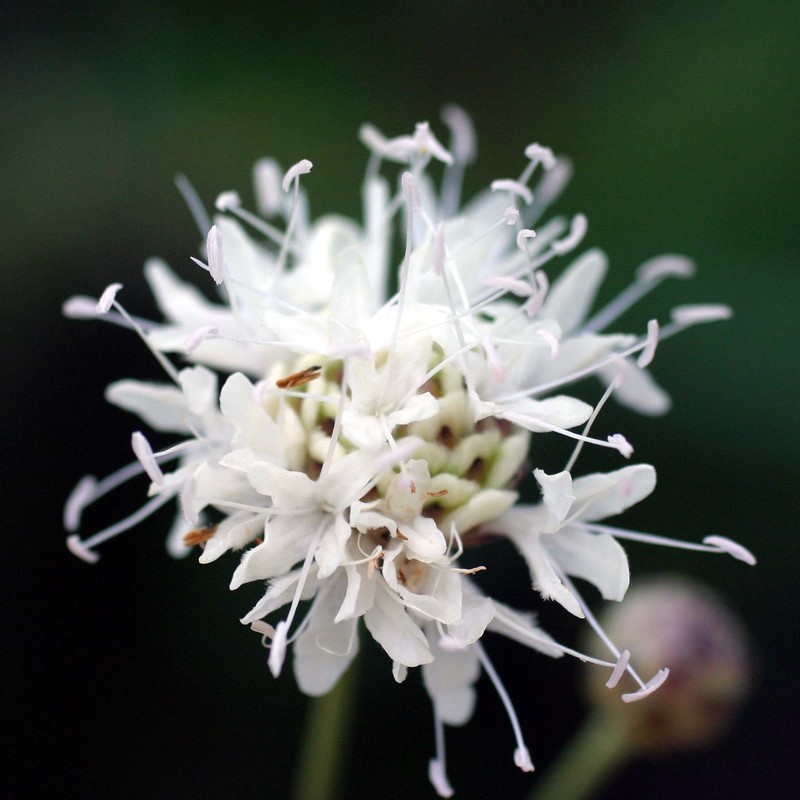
133,678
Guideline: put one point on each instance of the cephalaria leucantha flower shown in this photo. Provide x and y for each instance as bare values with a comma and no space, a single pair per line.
351,420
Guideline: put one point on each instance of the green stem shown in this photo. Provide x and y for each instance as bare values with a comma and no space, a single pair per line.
598,750
328,727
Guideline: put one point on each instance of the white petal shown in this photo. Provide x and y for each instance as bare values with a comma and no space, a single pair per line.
395,631
199,387
286,542
557,494
595,557
605,494
280,592
449,680
325,649
331,549
540,416
543,575
522,628
232,533
423,538
476,613
162,407
572,295
638,391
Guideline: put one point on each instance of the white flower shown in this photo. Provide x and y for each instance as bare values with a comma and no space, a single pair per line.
361,441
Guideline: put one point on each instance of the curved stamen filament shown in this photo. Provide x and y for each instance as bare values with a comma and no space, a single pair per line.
730,548
83,547
521,755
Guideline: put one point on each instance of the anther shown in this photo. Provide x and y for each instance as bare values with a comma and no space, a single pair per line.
294,172
514,187
107,298
199,535
299,378
649,351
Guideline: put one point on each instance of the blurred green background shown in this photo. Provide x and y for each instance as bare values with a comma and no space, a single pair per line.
133,678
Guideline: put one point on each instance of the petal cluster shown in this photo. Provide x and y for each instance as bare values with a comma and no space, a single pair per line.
352,418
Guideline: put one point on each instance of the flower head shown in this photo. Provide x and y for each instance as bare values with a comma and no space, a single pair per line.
363,437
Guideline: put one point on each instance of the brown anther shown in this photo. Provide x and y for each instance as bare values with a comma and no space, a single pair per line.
401,578
471,571
199,535
440,493
402,536
299,378
413,487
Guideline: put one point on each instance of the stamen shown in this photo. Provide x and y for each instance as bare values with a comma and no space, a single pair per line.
194,340
577,230
711,544
616,442
514,188
276,235
144,453
514,286
521,755
545,643
732,548
648,276
278,651
619,670
265,629
464,150
89,489
294,172
589,422
463,143
648,689
496,368
539,154
159,356
299,378
551,340
651,343
82,548
409,192
534,304
78,548
267,182
645,688
80,497
199,535
227,201
107,298
697,314
580,373
194,203
437,768
216,263
292,176
438,253
522,238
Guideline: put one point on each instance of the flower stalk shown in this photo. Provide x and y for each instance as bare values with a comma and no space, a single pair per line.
326,741
599,749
